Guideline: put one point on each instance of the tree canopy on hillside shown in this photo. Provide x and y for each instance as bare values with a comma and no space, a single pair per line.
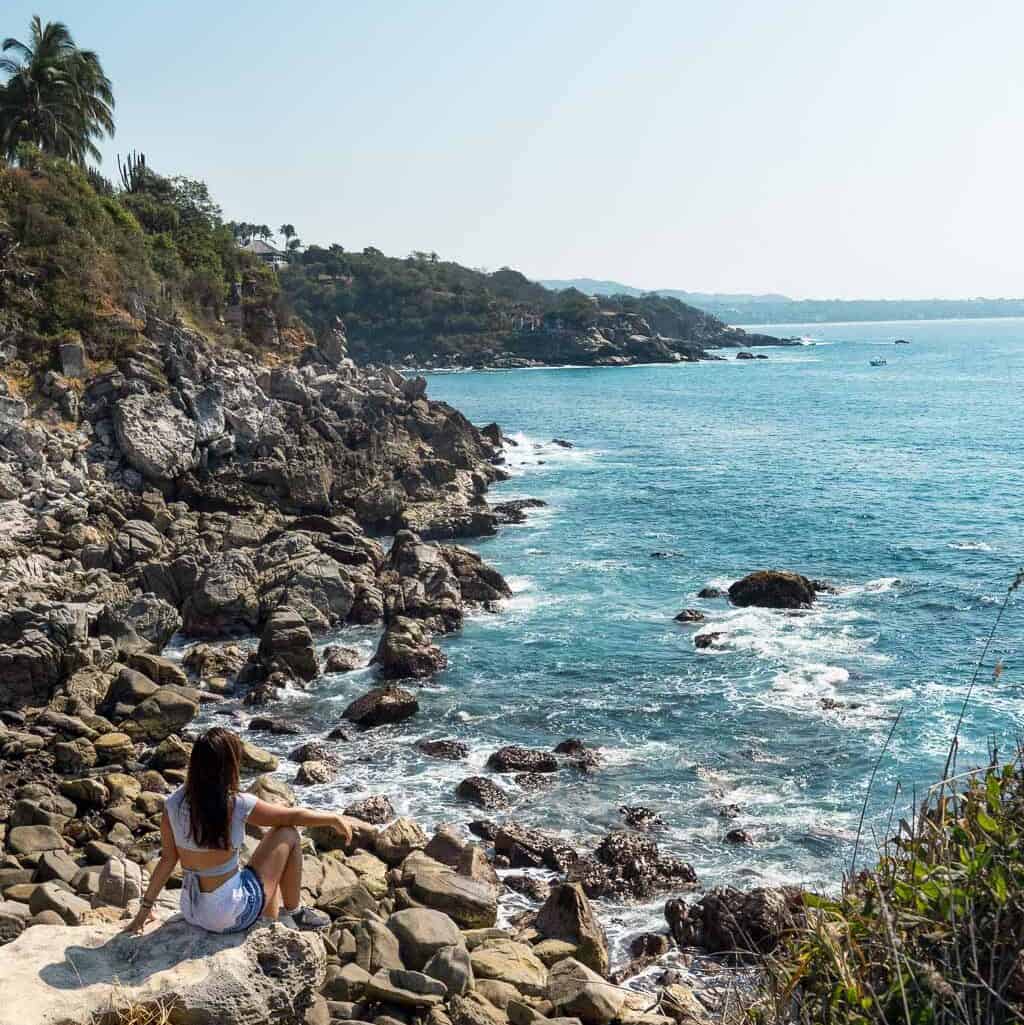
57,97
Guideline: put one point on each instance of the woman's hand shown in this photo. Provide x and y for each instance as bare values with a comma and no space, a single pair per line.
341,824
140,921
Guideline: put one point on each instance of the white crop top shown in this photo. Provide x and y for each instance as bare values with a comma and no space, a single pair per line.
181,825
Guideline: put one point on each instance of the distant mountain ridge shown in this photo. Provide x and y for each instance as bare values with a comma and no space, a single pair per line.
595,286
743,308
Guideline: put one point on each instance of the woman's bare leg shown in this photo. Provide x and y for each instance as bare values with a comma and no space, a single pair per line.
278,863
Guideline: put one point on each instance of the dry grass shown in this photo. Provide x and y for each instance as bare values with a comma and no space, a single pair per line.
124,1011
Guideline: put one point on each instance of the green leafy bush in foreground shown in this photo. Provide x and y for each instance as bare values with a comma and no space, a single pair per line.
933,935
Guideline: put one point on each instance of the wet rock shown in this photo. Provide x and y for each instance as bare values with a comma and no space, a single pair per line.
312,773
340,659
726,919
287,645
449,750
774,589
690,616
478,582
312,750
708,640
639,817
280,727
406,650
711,592
630,866
649,944
381,706
481,791
515,511
739,836
534,780
578,754
521,759
209,660
532,848
375,810
682,1006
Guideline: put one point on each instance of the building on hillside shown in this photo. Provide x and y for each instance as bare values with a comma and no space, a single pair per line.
265,252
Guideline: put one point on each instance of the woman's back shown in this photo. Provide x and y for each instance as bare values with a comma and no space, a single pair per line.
204,858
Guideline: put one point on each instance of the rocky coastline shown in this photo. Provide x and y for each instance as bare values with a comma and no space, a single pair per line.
602,346
192,490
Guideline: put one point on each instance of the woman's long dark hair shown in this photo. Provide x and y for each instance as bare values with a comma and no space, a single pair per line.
212,781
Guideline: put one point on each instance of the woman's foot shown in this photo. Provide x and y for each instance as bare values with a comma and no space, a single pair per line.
304,919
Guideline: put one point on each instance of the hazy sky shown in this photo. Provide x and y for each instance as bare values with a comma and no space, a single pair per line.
817,149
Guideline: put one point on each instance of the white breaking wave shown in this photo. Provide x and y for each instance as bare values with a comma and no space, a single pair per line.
880,586
970,546
528,454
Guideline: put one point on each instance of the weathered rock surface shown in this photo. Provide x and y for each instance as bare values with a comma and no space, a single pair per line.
421,933
156,438
578,992
66,975
406,650
567,915
727,919
381,706
627,865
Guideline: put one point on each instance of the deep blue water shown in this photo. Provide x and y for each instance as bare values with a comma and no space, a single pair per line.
899,484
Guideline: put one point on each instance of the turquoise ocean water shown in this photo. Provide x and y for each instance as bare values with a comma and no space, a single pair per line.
899,484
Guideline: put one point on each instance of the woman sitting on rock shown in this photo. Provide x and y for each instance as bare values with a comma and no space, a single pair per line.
206,818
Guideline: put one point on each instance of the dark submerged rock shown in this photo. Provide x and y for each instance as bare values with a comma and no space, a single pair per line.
773,589
726,919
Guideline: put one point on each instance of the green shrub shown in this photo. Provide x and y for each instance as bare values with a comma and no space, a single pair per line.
933,934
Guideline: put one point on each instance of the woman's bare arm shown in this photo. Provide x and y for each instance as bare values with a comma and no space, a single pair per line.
161,873
272,815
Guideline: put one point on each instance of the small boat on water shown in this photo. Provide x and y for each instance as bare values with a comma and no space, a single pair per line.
901,341
879,362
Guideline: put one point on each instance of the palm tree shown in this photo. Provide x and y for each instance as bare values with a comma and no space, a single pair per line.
288,230
56,97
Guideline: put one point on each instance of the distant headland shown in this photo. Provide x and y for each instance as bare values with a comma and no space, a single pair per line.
772,308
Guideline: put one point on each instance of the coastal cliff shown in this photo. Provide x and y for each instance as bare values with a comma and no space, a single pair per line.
426,312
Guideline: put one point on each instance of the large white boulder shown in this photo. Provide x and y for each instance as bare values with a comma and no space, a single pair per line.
156,437
63,975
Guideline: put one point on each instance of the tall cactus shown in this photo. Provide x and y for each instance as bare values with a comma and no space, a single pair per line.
133,171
